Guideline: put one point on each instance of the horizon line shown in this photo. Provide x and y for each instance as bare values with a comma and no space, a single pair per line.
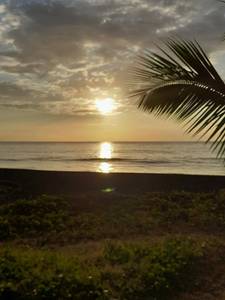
103,141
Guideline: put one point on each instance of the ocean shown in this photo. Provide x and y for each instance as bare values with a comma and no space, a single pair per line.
106,157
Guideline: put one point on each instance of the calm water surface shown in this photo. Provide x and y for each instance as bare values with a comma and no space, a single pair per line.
148,157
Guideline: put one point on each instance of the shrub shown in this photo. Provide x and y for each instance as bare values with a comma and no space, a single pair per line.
154,272
128,272
4,228
31,276
27,218
117,253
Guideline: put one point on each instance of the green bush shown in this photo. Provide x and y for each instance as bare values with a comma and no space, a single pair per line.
117,253
4,228
31,276
121,271
31,218
154,272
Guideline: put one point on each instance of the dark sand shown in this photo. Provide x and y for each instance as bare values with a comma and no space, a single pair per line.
32,182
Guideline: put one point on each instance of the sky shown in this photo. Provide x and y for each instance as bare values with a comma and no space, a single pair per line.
58,57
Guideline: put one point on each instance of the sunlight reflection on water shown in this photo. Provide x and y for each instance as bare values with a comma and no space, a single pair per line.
105,167
106,150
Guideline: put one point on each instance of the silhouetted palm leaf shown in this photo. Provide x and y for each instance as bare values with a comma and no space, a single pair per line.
184,85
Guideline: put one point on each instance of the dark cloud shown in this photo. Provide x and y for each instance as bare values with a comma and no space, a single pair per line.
22,106
74,51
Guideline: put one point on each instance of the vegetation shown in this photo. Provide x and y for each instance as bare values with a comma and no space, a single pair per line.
33,218
43,275
98,216
113,246
186,86
156,271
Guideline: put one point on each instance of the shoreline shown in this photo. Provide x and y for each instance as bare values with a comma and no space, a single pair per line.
33,182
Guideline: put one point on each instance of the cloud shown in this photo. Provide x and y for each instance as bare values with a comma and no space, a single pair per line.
58,56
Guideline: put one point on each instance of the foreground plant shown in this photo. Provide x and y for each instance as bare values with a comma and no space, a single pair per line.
122,271
186,86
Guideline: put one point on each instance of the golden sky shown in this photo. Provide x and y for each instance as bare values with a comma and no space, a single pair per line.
60,59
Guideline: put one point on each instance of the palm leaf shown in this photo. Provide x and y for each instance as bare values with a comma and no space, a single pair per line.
186,86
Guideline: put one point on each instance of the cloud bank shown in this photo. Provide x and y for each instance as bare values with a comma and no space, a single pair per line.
58,56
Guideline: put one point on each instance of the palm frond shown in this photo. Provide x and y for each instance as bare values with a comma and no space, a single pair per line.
184,85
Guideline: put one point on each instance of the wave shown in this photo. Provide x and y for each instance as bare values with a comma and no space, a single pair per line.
97,159
64,159
129,160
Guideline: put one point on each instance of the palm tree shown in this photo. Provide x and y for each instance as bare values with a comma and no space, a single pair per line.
183,85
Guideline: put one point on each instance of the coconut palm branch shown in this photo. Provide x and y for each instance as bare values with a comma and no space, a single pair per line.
183,85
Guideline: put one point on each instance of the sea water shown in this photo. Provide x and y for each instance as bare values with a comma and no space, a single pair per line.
106,157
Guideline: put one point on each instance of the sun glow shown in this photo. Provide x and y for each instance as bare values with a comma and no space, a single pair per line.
105,106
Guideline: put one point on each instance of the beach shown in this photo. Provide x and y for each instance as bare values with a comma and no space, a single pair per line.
35,182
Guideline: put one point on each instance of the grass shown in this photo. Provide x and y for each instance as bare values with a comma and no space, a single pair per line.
113,246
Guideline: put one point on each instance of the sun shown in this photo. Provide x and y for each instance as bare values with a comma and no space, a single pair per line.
105,106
